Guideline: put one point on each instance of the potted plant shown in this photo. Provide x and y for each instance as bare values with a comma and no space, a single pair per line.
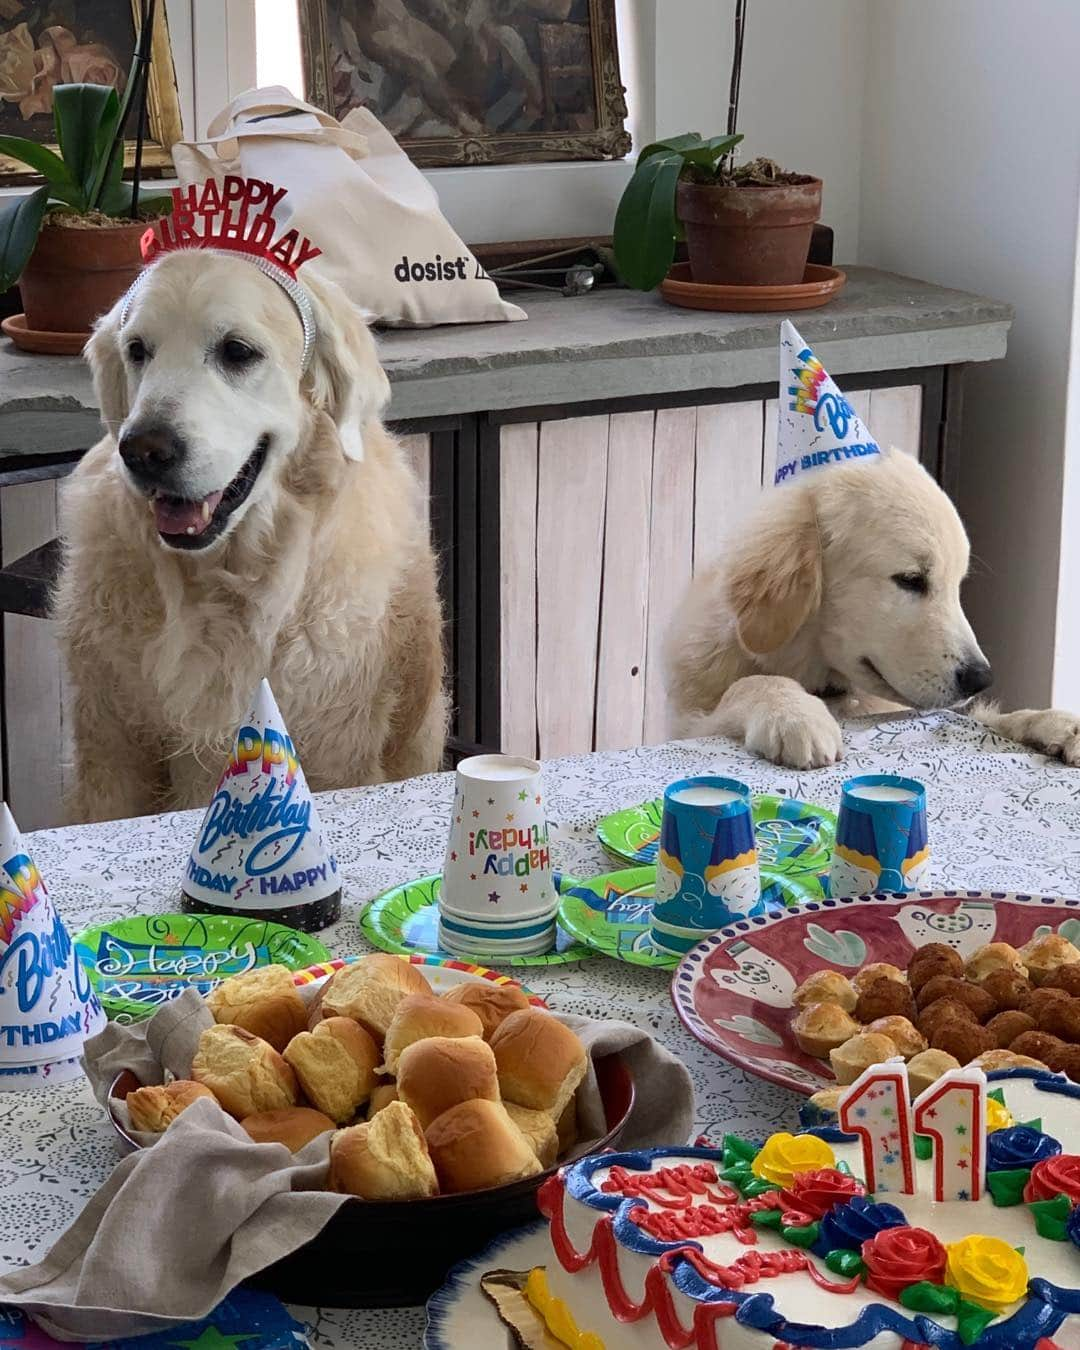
73,243
747,225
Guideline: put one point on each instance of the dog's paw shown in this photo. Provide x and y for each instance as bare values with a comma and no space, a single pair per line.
1053,732
803,737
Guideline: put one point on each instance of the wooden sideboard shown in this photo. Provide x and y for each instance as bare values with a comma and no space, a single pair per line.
580,467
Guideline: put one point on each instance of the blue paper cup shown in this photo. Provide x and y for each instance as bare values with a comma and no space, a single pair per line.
881,841
706,868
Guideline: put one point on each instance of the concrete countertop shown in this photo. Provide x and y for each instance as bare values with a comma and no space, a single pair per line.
612,344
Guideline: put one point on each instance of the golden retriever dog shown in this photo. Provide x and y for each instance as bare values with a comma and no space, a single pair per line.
844,586
242,519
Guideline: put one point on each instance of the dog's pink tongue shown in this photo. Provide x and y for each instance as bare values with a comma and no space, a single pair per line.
173,515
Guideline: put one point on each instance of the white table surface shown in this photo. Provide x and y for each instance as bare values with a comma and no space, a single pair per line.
999,819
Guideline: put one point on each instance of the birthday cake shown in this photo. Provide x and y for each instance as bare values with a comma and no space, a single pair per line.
776,1244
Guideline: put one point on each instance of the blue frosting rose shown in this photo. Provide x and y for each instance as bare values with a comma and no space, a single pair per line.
849,1226
1018,1146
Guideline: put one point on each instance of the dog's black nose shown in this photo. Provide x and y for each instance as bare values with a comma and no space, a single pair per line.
973,677
151,450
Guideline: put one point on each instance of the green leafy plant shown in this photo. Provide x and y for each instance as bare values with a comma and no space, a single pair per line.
647,225
86,177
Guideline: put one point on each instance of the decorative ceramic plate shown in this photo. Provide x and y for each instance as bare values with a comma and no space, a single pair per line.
442,973
733,991
611,914
794,839
459,1315
138,964
405,919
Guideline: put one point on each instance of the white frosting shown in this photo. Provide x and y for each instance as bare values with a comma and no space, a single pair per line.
797,1297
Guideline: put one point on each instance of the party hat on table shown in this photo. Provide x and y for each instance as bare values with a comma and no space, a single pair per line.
261,844
817,425
47,1004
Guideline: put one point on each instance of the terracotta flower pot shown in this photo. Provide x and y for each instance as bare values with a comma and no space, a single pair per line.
749,235
75,275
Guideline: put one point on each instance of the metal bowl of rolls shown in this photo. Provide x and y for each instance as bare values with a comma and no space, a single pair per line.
449,1112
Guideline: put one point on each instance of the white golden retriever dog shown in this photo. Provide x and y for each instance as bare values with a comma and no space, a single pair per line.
844,586
226,529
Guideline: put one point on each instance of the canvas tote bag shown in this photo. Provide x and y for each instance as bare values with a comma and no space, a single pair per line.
354,193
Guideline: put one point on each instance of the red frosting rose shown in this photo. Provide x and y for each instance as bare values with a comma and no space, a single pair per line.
815,1193
897,1257
1055,1176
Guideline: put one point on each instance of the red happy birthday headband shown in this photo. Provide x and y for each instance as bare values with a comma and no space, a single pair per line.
237,217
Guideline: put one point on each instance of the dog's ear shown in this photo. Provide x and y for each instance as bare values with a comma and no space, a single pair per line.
107,366
345,378
775,580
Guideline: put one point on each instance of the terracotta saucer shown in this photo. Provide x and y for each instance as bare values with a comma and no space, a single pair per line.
34,340
818,286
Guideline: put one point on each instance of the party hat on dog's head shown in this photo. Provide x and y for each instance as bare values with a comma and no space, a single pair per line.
817,426
261,849
47,1004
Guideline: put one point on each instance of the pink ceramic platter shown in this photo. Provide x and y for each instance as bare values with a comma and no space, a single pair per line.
733,991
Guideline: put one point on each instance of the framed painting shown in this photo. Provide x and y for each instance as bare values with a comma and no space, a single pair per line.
48,42
489,82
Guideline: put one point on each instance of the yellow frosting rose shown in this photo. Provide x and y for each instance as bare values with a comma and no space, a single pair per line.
998,1117
784,1156
987,1271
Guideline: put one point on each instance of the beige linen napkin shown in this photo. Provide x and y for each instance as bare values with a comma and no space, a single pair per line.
177,1226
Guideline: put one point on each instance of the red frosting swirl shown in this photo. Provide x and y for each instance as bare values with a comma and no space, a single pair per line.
1055,1176
897,1257
815,1193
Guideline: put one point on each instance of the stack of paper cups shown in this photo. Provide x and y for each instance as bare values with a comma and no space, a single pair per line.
47,1004
497,897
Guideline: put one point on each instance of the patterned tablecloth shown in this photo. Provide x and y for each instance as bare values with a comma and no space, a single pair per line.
999,818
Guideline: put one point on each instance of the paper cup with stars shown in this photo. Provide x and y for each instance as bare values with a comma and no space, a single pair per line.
497,895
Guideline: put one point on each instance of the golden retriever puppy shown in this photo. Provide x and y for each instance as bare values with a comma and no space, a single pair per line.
845,585
242,519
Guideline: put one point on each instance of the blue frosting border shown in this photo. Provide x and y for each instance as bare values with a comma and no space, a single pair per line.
1047,1307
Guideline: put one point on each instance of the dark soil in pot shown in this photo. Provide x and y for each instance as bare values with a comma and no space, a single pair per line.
749,234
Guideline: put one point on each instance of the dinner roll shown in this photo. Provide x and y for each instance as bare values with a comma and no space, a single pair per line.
369,991
420,1016
383,1159
567,1127
475,1145
294,1127
492,1003
263,1001
381,1096
335,1064
244,1073
540,1061
155,1108
440,1072
539,1131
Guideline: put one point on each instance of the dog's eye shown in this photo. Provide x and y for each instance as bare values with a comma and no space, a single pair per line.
136,350
916,582
237,355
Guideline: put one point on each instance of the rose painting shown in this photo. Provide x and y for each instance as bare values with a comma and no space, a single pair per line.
44,43
487,81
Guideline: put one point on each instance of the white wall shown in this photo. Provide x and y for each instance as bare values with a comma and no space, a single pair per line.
970,175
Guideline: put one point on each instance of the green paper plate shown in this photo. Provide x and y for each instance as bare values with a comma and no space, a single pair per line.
611,914
405,919
794,841
138,964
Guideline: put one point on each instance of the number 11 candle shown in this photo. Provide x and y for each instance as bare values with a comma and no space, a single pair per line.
876,1109
952,1112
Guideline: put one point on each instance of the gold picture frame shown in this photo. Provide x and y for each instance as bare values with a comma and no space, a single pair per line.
607,139
164,125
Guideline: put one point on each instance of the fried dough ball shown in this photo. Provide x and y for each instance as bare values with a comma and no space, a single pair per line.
942,1012
1041,1046
1009,990
884,997
877,970
1065,978
978,1000
1006,1026
964,1040
934,959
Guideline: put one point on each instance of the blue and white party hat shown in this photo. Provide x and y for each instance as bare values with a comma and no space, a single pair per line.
261,844
817,426
47,1004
